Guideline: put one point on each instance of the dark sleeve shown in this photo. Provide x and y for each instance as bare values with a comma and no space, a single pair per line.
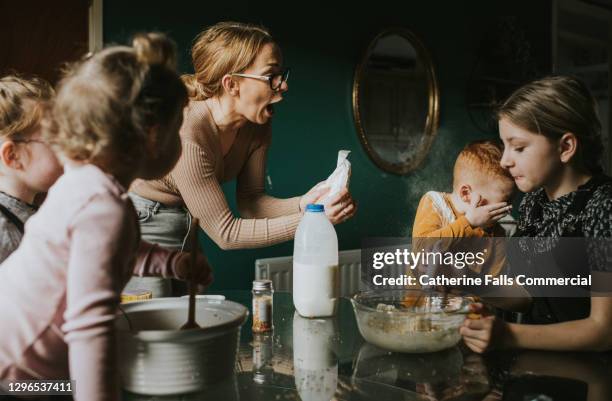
597,228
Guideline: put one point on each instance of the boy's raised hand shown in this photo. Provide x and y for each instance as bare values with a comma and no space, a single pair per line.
486,215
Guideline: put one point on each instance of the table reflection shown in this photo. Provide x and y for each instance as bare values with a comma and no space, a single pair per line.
314,360
327,360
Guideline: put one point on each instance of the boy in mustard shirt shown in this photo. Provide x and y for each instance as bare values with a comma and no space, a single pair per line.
482,190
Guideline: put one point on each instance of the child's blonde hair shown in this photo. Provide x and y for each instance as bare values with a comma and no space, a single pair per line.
480,158
224,48
106,105
21,104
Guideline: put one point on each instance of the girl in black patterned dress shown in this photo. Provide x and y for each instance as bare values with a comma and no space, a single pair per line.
553,147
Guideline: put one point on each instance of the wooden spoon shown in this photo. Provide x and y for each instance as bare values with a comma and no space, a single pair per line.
192,283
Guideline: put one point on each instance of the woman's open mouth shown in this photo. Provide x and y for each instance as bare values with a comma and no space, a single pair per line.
270,110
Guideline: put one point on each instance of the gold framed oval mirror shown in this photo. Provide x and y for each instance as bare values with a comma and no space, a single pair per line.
396,101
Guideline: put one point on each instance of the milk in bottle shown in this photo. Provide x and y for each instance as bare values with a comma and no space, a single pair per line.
316,284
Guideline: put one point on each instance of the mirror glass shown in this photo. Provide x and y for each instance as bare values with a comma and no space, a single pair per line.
395,100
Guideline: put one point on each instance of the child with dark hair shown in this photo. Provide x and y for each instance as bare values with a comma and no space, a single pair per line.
553,146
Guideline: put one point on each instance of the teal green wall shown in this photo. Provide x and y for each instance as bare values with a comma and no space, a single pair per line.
323,42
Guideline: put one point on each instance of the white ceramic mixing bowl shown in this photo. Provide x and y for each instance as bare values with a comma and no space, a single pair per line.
159,359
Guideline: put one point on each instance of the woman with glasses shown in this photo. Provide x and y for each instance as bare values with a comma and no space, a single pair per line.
225,135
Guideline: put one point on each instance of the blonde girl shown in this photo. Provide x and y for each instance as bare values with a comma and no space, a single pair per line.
115,118
28,166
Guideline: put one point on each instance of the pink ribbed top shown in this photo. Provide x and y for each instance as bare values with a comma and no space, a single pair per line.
60,290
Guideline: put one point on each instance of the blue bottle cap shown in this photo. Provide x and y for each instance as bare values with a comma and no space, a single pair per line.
315,207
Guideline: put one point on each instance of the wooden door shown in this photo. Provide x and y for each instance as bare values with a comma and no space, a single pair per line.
39,36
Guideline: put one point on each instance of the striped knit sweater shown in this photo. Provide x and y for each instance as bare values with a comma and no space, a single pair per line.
196,183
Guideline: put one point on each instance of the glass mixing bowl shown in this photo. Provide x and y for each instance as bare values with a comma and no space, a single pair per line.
414,321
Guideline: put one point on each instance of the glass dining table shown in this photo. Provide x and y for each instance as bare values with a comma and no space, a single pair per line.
327,359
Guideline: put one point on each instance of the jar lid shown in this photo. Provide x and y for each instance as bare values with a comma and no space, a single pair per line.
262,285
259,378
136,295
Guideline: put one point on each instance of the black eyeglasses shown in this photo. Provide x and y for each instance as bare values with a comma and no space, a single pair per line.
274,80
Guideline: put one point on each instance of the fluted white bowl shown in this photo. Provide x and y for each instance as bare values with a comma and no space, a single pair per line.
157,358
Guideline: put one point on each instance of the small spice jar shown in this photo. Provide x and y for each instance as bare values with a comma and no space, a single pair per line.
262,306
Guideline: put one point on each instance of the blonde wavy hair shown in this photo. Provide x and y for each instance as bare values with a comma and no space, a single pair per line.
106,104
224,48
21,104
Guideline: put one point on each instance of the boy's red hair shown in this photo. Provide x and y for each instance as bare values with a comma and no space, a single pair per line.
480,158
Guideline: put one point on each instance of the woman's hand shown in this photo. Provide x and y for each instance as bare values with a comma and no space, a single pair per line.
338,209
203,270
341,207
482,333
313,196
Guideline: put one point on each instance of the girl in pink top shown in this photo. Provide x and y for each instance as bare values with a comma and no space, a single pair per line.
116,117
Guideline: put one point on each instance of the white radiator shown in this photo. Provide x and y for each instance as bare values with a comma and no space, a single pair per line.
280,271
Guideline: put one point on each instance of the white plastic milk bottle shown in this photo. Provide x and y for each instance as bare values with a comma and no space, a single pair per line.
316,281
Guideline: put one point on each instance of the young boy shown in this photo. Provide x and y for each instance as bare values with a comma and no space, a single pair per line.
481,192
